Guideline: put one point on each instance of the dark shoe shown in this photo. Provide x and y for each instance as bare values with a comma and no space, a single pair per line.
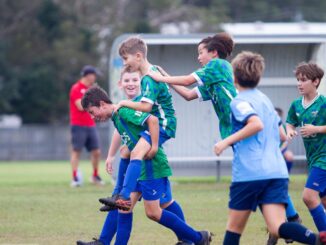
295,219
94,242
271,240
117,202
107,208
108,201
206,238
97,180
183,243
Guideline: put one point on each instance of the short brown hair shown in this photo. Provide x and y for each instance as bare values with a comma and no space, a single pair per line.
205,40
248,68
222,43
133,45
310,70
93,96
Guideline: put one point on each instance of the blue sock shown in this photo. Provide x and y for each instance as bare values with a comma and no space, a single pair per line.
290,209
124,162
130,181
124,228
109,228
319,216
231,238
180,228
289,165
297,232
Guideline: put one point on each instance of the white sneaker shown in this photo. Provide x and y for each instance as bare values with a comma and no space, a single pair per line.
78,180
97,180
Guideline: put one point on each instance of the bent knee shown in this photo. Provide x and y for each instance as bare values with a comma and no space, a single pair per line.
153,215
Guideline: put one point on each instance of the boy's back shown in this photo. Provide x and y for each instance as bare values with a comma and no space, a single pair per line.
314,114
257,157
159,96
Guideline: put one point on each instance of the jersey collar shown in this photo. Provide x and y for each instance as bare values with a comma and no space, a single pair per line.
313,101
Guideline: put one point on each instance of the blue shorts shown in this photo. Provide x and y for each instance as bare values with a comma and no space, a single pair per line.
317,181
84,136
249,194
163,137
165,198
156,189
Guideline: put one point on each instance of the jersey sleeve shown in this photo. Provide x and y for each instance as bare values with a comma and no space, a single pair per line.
242,110
292,116
149,90
202,93
132,116
200,75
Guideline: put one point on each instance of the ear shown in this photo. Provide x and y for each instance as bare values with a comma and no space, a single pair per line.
138,55
316,82
214,53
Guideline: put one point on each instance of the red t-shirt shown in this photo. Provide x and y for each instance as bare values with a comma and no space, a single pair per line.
77,117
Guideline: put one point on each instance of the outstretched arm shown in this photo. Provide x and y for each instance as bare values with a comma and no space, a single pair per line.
253,126
176,80
186,93
138,106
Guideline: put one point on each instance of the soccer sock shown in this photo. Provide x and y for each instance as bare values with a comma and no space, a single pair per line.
290,209
319,216
109,228
179,227
297,232
176,209
130,181
124,162
124,228
289,165
231,238
95,172
74,173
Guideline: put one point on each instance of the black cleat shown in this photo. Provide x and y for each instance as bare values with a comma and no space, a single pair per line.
117,202
272,240
94,242
106,208
183,243
206,238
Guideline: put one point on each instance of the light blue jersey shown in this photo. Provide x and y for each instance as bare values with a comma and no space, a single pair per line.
257,157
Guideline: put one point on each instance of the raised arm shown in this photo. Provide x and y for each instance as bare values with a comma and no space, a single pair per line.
186,93
114,147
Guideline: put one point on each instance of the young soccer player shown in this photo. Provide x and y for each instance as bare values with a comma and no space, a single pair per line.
130,84
259,174
153,181
215,78
309,113
156,99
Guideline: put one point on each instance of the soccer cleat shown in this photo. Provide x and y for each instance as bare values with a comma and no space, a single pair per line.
94,242
206,238
106,208
272,240
97,180
75,182
322,238
183,243
116,201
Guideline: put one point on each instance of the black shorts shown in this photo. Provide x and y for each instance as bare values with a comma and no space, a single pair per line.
84,136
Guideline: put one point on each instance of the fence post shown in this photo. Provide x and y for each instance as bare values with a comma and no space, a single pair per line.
218,171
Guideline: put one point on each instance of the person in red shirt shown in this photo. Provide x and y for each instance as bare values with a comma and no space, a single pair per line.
83,128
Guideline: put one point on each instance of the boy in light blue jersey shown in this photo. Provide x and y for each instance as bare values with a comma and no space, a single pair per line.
309,113
259,174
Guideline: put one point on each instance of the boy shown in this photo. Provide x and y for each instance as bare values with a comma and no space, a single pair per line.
309,113
130,84
153,180
259,174
156,99
215,78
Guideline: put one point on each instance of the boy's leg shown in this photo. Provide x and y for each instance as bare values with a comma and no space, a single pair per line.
274,215
237,221
125,221
123,165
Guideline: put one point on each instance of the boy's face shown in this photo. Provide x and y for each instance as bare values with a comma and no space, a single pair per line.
130,83
203,55
101,113
132,61
306,85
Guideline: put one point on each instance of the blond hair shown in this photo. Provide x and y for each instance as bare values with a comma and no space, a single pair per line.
132,45
248,68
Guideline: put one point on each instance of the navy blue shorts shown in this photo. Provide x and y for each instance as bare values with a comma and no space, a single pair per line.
84,136
248,195
317,181
165,198
163,137
156,189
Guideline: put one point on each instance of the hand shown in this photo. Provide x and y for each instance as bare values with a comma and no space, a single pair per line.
308,130
291,133
151,153
119,105
109,164
220,147
155,75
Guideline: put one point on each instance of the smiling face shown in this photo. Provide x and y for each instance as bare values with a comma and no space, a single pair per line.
306,86
130,84
203,55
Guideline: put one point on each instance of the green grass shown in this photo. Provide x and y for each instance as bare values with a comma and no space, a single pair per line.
37,206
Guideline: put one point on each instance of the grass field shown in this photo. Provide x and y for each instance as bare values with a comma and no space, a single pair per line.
37,206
